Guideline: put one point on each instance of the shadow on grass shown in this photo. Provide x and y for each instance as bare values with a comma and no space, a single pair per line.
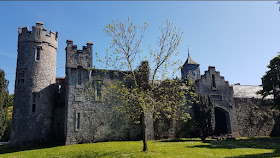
185,140
6,148
254,143
96,154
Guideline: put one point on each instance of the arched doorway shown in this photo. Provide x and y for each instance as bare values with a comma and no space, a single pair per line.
222,122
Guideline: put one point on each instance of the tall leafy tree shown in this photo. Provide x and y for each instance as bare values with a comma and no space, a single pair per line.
204,116
141,94
3,102
271,81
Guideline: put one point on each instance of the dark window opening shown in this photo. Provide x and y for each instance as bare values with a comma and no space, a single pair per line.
59,88
21,76
38,53
34,103
39,33
214,81
78,120
79,76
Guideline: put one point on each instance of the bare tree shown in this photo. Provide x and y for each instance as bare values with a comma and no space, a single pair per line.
143,92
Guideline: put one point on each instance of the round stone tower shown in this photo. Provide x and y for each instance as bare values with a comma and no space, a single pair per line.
34,97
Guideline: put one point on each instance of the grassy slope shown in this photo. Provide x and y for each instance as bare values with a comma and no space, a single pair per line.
241,148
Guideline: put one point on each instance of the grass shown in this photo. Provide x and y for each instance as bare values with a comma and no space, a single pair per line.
265,147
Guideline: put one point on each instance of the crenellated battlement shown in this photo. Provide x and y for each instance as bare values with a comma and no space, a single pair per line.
76,57
71,46
38,34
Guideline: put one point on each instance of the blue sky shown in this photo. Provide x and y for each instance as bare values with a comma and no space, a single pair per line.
238,38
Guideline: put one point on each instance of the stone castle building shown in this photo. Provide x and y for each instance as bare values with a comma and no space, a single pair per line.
48,108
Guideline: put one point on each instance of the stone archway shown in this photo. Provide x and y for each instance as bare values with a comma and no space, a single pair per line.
222,122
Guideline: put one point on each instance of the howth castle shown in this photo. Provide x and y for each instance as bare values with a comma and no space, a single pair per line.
50,108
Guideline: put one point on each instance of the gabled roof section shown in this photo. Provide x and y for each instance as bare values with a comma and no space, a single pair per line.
247,91
189,60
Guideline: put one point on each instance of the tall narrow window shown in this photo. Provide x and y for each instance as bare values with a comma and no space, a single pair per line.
38,53
78,120
33,102
214,82
59,88
98,90
97,87
79,76
21,77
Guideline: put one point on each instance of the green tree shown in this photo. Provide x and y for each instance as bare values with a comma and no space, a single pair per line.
204,116
11,100
271,81
3,102
141,94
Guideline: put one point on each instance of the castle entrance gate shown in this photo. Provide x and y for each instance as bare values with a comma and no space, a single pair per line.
222,121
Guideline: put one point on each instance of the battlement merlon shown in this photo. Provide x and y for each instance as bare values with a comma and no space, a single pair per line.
71,46
38,34
76,58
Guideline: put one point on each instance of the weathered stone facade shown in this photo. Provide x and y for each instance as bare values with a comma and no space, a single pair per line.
35,85
88,118
47,108
237,109
213,85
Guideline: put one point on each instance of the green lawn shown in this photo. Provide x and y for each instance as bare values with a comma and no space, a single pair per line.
193,148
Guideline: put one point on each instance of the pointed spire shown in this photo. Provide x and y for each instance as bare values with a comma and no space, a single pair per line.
189,59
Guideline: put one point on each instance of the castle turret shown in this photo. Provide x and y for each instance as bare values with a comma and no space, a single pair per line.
77,76
76,58
190,69
34,85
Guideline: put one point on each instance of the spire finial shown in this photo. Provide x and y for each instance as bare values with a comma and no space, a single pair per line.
188,52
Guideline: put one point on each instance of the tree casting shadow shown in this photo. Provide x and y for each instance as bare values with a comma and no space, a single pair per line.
255,143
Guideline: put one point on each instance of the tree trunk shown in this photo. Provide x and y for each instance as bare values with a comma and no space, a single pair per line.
144,131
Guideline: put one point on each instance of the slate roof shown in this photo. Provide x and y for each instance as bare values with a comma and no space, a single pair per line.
189,60
247,91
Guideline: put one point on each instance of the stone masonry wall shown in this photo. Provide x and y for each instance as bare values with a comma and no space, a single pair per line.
221,94
254,119
34,85
97,121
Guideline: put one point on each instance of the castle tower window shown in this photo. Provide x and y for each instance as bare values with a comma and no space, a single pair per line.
80,70
38,53
214,81
78,118
97,88
33,102
21,77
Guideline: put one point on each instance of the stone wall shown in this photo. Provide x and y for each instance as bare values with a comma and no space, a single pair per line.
213,85
92,120
254,119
